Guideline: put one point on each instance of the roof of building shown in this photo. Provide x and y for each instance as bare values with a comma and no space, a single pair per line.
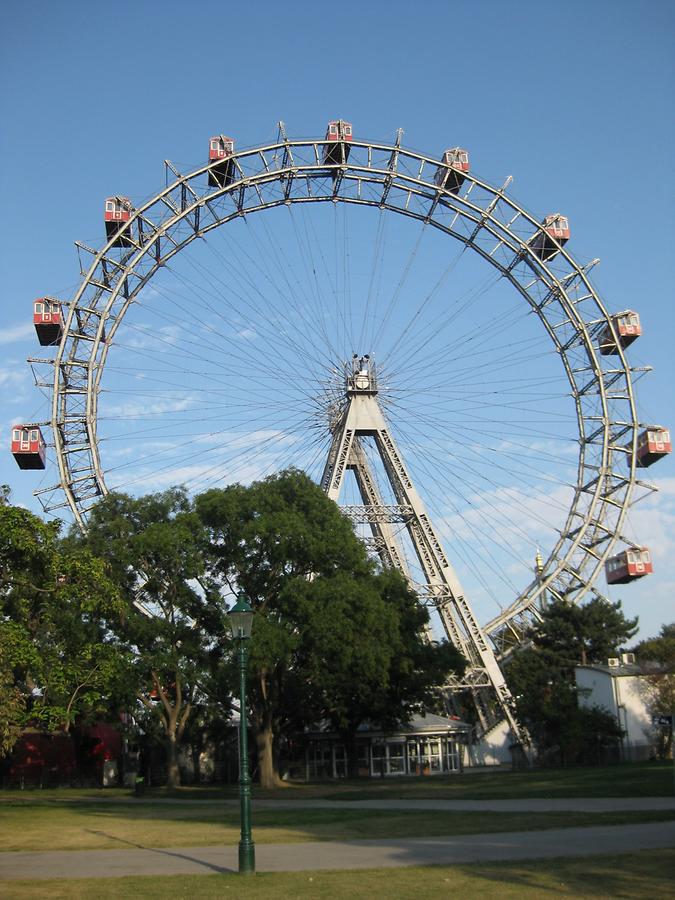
428,723
623,670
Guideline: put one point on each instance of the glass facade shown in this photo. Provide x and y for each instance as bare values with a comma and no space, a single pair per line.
432,754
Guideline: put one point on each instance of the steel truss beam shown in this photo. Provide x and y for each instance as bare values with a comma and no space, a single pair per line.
362,417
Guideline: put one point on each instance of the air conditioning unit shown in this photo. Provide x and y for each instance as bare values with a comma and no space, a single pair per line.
628,659
614,662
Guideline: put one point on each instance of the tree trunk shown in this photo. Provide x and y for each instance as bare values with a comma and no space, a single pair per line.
172,768
267,767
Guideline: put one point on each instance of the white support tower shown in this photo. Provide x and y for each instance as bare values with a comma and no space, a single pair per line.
362,417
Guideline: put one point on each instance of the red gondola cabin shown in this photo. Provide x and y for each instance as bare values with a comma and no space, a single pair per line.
48,321
450,175
553,234
628,329
652,443
221,149
117,214
339,134
28,447
630,564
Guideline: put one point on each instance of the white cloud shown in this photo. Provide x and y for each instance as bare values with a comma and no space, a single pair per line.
146,335
12,377
17,333
204,475
652,523
133,409
513,511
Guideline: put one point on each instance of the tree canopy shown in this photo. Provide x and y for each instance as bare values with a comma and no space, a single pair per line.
656,656
541,677
155,546
332,638
131,614
659,649
58,606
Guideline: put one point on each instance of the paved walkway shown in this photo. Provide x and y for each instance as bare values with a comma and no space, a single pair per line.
313,856
531,804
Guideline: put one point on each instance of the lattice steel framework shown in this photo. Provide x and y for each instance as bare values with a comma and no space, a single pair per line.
386,176
361,418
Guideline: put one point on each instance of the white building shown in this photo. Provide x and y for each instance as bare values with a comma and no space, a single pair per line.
622,689
427,745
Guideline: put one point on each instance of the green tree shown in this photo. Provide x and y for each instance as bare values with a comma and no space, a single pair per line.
12,699
154,546
56,608
364,653
573,635
659,649
541,677
657,658
331,637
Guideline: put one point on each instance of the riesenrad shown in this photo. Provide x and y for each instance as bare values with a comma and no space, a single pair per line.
389,322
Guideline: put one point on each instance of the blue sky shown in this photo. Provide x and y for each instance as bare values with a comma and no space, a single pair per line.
573,101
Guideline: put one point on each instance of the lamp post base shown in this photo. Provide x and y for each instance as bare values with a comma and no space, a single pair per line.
246,858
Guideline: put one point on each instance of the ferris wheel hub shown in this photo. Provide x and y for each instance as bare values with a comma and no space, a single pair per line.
361,376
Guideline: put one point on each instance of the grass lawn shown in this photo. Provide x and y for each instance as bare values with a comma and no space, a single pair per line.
648,874
88,826
650,779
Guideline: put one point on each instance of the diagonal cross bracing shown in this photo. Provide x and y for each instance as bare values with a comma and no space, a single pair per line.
362,417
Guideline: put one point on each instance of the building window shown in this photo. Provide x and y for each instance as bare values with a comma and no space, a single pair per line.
452,758
340,761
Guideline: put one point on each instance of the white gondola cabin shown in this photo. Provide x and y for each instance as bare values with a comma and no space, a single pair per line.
629,565
116,216
652,443
628,329
221,149
553,234
48,321
28,447
450,175
339,136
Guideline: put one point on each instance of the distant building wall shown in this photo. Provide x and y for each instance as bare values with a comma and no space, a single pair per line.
494,748
624,692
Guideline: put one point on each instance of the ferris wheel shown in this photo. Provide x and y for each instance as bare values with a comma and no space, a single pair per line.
449,374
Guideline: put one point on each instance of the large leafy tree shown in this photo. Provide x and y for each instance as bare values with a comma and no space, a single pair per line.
332,637
542,678
58,607
154,546
657,657
659,649
13,701
364,653
571,635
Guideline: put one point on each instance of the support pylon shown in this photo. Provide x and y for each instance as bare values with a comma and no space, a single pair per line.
362,417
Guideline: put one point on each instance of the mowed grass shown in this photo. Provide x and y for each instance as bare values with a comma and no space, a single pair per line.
86,826
649,779
636,876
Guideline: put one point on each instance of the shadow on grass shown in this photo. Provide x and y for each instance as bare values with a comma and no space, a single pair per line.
636,875
163,852
649,779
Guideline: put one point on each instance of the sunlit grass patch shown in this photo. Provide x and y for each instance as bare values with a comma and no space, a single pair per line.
87,826
636,876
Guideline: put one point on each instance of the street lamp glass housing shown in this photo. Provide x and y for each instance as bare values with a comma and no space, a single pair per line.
241,618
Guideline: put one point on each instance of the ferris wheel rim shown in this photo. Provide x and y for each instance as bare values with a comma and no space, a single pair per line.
485,221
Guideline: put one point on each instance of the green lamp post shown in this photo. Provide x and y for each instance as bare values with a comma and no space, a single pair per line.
241,621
